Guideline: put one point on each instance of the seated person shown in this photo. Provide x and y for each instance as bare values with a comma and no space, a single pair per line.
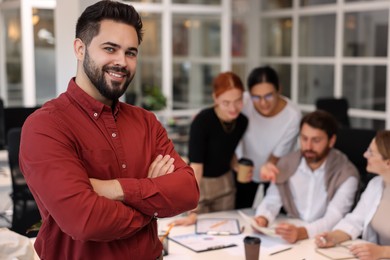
316,184
369,216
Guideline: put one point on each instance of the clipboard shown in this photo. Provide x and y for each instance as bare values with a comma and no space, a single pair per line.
217,226
202,242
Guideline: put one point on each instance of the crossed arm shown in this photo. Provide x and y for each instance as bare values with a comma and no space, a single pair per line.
112,189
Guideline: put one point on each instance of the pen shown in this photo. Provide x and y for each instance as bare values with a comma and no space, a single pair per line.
280,251
220,223
220,247
223,233
167,232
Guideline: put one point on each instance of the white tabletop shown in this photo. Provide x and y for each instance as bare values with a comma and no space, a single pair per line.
303,250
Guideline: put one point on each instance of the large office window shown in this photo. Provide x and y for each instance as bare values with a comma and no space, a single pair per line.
13,53
320,48
323,49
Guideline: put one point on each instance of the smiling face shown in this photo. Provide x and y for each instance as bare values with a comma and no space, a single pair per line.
107,66
375,162
228,105
265,98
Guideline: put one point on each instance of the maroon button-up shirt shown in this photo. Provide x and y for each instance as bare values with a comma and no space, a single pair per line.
73,138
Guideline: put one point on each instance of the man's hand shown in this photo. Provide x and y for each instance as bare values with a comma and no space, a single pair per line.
261,221
268,172
291,233
111,189
161,165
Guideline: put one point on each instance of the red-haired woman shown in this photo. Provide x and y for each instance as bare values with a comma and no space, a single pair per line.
214,135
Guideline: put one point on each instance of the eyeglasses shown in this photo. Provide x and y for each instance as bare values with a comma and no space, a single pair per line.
267,97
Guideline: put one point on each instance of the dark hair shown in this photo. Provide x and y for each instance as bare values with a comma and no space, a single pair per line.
263,75
88,24
226,81
322,120
382,140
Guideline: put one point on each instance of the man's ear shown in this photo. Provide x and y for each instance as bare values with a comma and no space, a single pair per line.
79,48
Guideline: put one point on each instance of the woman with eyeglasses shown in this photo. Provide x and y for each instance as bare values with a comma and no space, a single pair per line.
371,214
214,135
272,130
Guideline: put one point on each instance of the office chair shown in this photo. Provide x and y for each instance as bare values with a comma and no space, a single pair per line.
338,107
2,125
354,142
25,210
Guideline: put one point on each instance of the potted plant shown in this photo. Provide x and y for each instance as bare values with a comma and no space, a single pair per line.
153,98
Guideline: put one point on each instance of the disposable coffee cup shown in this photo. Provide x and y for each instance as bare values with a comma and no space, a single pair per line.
245,167
252,248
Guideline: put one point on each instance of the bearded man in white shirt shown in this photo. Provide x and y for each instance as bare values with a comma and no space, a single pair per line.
316,184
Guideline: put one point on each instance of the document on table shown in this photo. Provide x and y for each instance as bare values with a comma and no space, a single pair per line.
202,242
264,230
217,226
336,253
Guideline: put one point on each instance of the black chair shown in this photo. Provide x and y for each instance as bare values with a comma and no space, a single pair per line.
354,142
25,210
2,125
338,107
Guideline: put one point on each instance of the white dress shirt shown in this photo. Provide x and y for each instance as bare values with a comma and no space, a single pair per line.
309,194
358,221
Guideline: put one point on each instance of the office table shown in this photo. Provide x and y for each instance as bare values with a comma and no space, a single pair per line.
302,250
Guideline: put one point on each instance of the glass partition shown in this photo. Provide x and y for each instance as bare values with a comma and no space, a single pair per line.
202,2
317,35
196,59
315,81
277,37
365,34
13,60
149,70
192,84
275,4
365,86
316,2
44,52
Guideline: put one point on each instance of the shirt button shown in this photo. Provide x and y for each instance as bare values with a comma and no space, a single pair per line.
113,135
95,114
124,166
155,214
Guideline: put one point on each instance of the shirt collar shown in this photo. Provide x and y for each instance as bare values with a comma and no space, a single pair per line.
90,105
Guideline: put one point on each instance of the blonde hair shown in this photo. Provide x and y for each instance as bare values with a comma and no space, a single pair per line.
382,140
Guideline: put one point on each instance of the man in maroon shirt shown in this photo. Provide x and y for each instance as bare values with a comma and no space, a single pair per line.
102,171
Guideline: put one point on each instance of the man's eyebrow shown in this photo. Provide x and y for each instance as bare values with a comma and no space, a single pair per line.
132,49
111,44
118,46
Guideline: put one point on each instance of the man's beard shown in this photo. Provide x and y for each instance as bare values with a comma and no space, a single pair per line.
314,156
96,76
